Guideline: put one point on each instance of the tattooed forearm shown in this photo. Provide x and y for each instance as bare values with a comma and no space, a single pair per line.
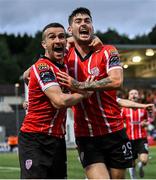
96,84
91,85
75,84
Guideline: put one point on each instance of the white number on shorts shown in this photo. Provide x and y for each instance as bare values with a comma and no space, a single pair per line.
146,146
127,150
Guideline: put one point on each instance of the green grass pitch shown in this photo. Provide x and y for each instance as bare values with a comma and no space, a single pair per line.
9,166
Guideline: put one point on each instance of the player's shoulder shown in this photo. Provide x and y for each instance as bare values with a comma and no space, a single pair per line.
111,49
70,50
43,59
42,64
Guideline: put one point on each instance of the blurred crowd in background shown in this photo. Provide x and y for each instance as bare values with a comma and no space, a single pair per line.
146,96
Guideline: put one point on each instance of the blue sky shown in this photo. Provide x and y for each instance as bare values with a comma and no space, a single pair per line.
131,17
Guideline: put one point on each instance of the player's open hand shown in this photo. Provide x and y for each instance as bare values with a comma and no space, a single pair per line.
65,80
25,105
149,107
70,42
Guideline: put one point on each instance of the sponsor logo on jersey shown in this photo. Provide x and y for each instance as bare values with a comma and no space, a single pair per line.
42,66
135,122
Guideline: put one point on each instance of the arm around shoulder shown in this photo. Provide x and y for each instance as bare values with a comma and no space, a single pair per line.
26,75
131,104
61,100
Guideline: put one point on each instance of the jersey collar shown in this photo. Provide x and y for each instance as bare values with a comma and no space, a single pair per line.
83,58
55,63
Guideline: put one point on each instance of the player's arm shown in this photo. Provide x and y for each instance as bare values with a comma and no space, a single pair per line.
131,104
113,81
26,75
61,100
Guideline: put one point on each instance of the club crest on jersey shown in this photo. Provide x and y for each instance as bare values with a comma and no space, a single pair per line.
42,67
28,164
95,71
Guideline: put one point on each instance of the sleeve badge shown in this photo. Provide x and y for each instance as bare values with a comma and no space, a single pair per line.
43,67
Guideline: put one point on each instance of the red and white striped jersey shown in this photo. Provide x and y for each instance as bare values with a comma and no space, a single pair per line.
42,117
133,118
99,114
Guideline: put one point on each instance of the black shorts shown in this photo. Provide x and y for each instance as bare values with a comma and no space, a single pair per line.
42,156
139,146
113,149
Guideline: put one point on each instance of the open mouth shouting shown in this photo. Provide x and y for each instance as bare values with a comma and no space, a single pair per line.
84,33
58,51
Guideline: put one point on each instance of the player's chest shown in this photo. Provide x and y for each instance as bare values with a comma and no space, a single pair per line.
81,69
135,115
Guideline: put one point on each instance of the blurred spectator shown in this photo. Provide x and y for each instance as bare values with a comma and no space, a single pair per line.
146,96
12,142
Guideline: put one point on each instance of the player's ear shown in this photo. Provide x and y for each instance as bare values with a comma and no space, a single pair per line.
69,31
43,44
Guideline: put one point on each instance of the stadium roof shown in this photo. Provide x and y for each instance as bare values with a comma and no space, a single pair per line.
128,52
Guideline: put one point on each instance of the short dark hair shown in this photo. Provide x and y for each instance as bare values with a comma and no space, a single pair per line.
55,24
80,10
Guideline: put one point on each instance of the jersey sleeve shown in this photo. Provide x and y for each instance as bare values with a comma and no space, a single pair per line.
45,76
113,58
123,113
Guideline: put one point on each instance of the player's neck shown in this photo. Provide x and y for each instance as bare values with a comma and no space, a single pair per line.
53,60
82,49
